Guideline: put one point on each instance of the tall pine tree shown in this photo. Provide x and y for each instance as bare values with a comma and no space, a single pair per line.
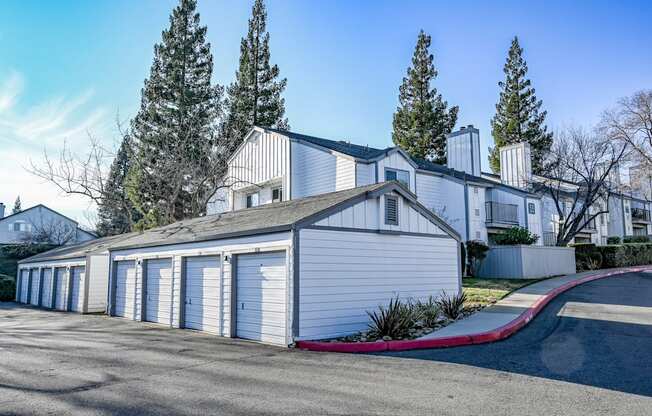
172,174
116,213
255,96
422,121
17,207
518,117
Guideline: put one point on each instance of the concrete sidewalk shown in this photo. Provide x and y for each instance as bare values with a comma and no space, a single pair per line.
509,308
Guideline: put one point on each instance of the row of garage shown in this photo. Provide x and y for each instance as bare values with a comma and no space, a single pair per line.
303,269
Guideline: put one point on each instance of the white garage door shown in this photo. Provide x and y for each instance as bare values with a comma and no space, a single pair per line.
60,289
202,296
260,293
77,286
46,293
33,297
158,291
125,288
24,285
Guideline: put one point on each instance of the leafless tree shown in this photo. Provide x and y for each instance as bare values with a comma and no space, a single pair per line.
577,176
54,232
630,122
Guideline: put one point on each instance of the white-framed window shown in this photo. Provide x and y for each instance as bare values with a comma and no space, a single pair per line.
277,194
402,176
20,226
252,200
391,210
477,212
475,189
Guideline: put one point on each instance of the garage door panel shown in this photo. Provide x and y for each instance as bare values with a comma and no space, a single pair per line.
46,299
202,293
261,306
33,297
125,287
158,302
77,285
60,288
24,287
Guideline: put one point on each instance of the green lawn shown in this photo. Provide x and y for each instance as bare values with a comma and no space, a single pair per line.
488,291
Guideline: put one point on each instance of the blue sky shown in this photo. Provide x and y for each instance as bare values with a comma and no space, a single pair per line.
68,67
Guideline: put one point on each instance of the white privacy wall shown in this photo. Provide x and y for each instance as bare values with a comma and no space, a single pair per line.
344,274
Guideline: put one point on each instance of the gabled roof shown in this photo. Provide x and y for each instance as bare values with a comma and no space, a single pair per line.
353,150
269,218
40,206
76,250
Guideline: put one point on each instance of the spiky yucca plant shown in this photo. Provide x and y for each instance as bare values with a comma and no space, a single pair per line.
394,321
452,306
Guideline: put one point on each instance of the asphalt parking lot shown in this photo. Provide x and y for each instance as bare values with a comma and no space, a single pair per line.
573,359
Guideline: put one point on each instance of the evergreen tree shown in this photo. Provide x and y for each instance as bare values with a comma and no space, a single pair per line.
17,207
172,172
255,96
116,213
421,121
518,117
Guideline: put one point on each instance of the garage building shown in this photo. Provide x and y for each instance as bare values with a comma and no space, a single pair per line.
69,278
303,269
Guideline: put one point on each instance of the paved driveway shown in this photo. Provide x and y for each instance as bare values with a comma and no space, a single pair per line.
59,363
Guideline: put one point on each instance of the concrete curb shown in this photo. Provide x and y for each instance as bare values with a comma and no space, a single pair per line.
497,334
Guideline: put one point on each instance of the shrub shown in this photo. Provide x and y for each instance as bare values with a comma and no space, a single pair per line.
476,251
588,256
429,310
614,239
636,239
452,306
7,288
394,321
516,236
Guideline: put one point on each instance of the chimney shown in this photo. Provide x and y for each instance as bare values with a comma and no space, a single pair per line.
516,165
2,210
463,150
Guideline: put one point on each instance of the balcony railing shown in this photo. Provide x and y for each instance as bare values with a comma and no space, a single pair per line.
640,214
499,213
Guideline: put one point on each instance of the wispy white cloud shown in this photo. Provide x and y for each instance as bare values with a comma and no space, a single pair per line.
10,88
26,131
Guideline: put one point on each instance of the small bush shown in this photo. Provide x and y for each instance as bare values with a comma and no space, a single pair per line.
516,236
394,321
589,256
476,251
7,288
636,239
429,310
614,239
452,306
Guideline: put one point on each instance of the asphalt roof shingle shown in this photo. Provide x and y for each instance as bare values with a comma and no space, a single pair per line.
77,250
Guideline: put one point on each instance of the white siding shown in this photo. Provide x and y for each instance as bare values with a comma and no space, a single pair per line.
370,214
463,152
395,161
97,282
477,213
344,173
534,220
444,197
177,251
313,171
365,173
345,274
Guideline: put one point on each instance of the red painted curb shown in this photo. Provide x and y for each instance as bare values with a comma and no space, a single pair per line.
497,334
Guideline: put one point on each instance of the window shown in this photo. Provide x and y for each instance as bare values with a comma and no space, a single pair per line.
277,194
402,176
20,226
391,210
252,200
475,189
477,212
531,209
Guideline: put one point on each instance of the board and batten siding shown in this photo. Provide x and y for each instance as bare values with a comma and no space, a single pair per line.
395,160
344,274
370,214
444,197
313,171
176,252
264,157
